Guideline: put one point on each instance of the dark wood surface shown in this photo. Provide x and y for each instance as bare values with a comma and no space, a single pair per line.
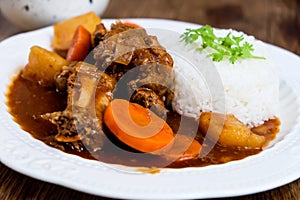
273,21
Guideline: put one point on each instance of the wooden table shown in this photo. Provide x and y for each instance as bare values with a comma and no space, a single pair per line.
273,21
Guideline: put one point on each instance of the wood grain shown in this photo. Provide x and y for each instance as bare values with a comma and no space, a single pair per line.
273,21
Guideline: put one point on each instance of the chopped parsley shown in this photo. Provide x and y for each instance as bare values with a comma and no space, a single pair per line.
230,46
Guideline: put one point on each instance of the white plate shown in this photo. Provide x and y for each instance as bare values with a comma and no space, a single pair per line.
277,165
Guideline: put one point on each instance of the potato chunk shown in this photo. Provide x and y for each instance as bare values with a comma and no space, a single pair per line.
64,31
229,131
43,65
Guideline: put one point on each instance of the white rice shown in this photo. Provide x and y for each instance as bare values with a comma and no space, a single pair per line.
248,89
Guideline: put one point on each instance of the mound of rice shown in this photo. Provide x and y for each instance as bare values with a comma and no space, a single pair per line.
248,89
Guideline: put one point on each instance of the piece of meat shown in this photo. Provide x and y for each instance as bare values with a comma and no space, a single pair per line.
98,34
152,55
149,99
89,92
77,129
157,78
61,79
117,28
125,47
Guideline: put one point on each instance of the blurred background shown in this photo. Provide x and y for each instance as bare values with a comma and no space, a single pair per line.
273,21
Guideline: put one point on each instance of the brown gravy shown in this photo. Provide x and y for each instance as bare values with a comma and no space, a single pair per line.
26,100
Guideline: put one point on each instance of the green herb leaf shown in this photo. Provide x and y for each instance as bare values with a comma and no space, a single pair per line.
229,46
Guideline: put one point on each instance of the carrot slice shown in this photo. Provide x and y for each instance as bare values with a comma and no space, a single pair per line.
191,152
184,148
80,46
138,127
132,24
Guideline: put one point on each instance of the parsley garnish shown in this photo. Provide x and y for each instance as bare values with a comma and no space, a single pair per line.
229,46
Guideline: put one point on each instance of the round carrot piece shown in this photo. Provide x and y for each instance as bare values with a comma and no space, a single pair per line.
184,148
136,126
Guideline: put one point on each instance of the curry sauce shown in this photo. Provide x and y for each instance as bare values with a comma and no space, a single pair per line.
28,100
